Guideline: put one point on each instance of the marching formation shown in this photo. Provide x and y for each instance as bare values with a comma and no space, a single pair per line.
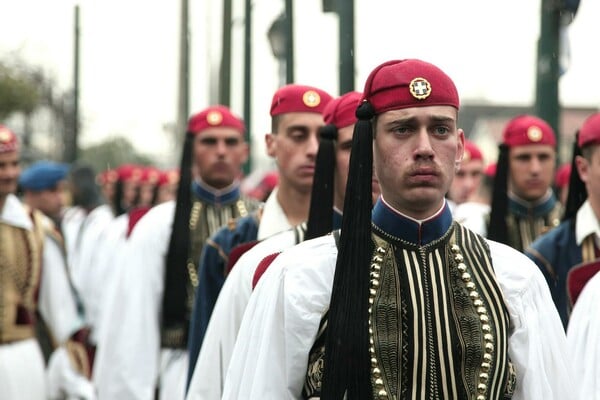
381,259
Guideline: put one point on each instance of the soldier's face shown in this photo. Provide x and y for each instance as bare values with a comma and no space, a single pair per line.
294,147
466,181
589,172
219,154
9,173
531,170
415,155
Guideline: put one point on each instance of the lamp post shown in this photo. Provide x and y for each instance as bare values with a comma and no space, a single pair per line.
278,41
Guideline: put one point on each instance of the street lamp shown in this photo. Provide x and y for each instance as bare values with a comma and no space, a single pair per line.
278,41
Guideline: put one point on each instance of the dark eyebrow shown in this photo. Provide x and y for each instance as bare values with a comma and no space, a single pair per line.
302,128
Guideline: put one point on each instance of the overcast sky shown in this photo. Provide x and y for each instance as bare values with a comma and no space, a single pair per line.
129,54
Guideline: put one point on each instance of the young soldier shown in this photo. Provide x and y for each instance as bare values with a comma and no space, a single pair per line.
221,332
143,352
33,284
568,255
297,115
524,205
412,305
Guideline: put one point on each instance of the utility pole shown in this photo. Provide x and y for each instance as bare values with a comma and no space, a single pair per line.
289,55
183,95
345,11
547,72
72,132
225,72
248,81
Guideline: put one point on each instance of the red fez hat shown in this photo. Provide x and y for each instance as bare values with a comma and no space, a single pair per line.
108,176
150,175
490,170
168,177
215,117
130,173
563,173
8,140
590,131
526,130
472,152
341,112
299,98
409,83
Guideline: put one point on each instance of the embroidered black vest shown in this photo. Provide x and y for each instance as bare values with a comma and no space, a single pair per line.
438,323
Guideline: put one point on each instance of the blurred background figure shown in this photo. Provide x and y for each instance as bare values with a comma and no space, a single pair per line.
266,183
167,185
43,186
468,176
561,182
148,186
107,181
127,187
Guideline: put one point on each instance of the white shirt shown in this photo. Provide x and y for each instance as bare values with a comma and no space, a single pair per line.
221,333
273,218
128,358
281,321
587,224
583,338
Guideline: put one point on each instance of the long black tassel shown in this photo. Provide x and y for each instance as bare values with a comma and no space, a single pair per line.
174,314
497,229
577,191
347,366
320,220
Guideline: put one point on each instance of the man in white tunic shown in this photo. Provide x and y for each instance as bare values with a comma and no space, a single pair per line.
296,117
142,354
583,339
413,306
33,279
217,343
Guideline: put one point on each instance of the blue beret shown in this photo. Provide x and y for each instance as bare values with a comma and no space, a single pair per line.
43,175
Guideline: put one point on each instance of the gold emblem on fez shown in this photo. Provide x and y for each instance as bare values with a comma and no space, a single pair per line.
4,136
214,117
311,98
420,88
534,133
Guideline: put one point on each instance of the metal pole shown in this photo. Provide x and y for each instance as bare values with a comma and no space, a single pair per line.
547,102
247,81
183,102
71,145
289,34
345,11
225,73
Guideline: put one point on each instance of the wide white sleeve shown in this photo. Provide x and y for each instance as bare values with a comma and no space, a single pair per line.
222,331
537,342
583,340
57,302
127,359
280,324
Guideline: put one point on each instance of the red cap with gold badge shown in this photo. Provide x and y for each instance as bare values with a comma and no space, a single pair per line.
590,131
526,130
472,152
8,140
408,83
215,117
299,98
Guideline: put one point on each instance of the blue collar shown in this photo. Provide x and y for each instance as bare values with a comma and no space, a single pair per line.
399,226
206,194
523,208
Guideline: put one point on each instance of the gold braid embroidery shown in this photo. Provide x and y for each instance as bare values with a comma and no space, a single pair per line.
191,266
